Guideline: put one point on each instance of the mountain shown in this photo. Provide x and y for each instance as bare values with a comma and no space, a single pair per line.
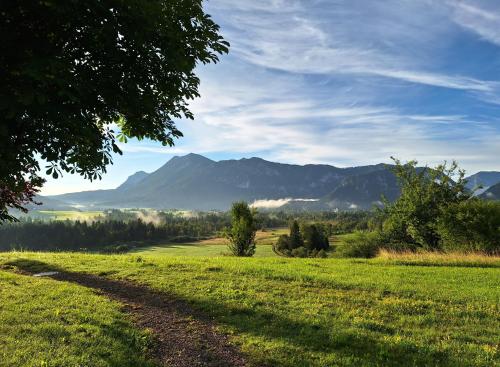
132,181
363,191
48,203
196,182
493,193
484,179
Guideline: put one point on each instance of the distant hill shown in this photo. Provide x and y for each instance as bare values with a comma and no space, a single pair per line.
484,179
493,193
48,203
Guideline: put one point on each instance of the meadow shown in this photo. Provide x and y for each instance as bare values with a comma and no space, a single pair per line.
386,311
50,215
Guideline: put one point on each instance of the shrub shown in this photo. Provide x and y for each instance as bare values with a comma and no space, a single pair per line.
473,225
360,244
322,254
300,252
282,246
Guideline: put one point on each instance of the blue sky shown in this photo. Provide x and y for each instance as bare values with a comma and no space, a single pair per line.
344,82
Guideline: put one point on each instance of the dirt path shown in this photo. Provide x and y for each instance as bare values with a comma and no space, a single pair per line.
185,338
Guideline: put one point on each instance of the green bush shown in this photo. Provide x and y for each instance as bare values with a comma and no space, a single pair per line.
473,225
360,244
300,252
282,246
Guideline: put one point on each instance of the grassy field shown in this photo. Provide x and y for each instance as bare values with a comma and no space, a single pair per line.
280,312
64,214
47,323
213,247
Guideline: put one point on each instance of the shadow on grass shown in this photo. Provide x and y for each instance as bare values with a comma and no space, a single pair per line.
306,339
126,345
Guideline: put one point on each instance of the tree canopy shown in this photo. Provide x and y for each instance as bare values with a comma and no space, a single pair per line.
76,76
425,194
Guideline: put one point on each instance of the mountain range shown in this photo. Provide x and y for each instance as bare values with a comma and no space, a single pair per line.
194,182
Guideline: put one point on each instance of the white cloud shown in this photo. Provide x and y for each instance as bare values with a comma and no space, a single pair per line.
382,46
482,21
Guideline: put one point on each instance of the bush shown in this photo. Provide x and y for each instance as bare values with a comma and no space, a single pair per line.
473,225
282,246
300,252
360,244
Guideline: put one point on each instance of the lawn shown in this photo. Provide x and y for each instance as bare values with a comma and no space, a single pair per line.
46,323
280,312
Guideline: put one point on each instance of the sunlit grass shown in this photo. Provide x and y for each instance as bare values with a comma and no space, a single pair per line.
435,258
213,246
318,312
68,215
48,323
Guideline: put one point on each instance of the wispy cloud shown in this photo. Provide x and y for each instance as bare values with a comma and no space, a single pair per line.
376,41
345,82
483,21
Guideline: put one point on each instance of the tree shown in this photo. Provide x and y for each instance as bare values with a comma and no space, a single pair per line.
296,239
425,193
241,235
472,225
72,69
315,238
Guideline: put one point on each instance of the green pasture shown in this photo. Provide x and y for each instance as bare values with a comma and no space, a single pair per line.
280,312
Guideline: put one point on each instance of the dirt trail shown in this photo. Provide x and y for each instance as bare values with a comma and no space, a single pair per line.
185,338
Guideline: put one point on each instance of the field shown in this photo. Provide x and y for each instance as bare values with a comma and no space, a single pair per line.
213,247
64,214
218,246
279,312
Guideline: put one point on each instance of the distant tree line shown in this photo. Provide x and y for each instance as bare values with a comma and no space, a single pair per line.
105,235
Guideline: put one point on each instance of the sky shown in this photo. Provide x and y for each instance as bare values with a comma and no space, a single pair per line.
340,82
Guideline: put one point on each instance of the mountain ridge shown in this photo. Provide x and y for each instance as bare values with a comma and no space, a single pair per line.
194,182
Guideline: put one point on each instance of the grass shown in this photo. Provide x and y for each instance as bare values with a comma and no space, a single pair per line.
428,258
68,215
282,312
46,323
213,247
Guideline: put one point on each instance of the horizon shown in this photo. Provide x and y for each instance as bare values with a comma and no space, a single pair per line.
350,83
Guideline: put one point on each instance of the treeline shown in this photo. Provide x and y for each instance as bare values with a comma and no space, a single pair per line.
107,235
118,230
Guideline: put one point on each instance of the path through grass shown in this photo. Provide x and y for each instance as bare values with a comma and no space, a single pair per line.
315,312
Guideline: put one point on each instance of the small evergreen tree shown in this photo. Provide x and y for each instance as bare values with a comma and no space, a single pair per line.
241,235
296,239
